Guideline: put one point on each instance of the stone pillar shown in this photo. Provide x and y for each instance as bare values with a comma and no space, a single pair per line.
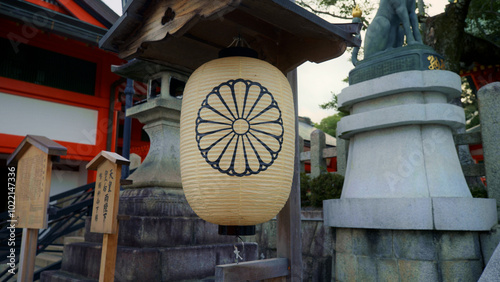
318,163
489,105
492,270
342,148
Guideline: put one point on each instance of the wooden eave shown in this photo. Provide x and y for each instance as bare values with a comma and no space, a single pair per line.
193,32
43,143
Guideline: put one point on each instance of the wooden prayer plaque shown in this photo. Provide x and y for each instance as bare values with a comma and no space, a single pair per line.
34,168
107,192
32,189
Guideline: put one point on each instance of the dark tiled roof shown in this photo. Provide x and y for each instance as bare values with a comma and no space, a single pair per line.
99,10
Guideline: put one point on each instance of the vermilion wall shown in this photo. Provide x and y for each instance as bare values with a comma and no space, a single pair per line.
100,102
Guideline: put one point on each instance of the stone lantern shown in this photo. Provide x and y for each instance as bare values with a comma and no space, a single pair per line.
160,114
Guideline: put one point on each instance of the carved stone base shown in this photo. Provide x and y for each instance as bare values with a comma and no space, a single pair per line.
403,171
160,239
411,57
82,261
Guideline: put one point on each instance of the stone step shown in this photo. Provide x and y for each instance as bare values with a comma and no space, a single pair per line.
163,231
46,259
73,239
63,276
57,248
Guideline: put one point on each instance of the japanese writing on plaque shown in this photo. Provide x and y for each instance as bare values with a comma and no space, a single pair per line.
32,191
106,191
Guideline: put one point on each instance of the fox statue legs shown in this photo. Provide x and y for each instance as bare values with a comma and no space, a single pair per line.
385,30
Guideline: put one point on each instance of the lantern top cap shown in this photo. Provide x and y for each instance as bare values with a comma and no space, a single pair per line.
106,156
43,143
186,34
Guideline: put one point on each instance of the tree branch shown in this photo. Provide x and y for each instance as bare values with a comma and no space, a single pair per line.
316,11
479,50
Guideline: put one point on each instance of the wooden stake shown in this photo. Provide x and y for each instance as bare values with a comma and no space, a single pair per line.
28,254
108,257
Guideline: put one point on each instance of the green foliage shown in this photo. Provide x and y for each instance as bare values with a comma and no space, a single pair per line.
483,20
333,104
339,9
305,190
470,105
324,187
478,192
329,124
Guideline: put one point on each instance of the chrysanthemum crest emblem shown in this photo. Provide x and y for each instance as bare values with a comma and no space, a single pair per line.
239,128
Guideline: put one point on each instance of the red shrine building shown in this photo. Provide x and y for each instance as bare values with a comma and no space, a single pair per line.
56,82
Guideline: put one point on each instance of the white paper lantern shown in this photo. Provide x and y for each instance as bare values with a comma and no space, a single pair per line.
237,141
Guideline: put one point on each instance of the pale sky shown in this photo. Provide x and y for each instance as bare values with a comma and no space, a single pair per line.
316,82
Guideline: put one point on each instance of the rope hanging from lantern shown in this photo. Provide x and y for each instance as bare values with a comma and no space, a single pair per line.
237,252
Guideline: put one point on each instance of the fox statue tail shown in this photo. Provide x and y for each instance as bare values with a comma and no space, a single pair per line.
354,57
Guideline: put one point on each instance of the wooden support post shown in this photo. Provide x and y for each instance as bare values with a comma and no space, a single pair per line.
301,150
105,210
34,169
108,257
289,243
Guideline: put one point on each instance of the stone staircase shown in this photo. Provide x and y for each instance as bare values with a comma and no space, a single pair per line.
161,239
52,254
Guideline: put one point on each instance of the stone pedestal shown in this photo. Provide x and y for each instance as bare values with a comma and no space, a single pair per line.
406,255
405,212
161,238
403,170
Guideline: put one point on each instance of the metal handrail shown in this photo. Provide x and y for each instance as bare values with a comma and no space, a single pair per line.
61,221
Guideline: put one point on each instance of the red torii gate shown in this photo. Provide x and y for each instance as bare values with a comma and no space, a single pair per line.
482,75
